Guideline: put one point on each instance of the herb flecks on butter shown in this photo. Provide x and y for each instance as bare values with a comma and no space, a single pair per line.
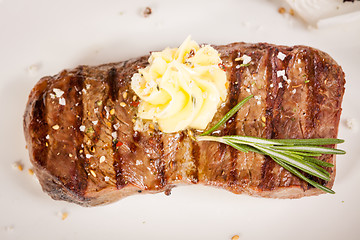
181,87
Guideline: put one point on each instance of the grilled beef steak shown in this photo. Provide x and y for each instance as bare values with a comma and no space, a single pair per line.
79,128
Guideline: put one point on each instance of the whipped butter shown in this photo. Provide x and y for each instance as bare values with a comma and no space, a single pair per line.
181,87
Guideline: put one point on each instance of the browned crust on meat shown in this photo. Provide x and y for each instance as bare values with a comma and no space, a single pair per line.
99,99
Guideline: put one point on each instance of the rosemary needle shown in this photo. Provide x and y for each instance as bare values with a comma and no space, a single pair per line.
227,116
291,154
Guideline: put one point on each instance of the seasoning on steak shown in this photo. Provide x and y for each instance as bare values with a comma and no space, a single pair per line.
79,128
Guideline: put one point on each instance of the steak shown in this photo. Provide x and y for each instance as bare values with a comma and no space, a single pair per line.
79,128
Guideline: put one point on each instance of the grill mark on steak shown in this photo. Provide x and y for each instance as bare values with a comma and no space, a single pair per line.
118,159
312,103
111,81
272,85
312,107
117,162
226,152
195,157
243,174
173,155
232,170
272,88
79,180
120,181
159,162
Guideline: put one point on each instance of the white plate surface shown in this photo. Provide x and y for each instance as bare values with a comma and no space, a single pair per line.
41,38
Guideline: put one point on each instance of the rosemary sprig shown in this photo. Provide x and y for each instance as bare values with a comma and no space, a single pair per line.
295,155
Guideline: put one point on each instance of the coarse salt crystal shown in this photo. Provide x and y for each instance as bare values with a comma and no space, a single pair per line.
272,85
52,96
102,159
246,59
280,85
293,91
62,101
280,73
106,178
138,126
58,92
47,136
116,126
288,81
82,128
258,102
114,134
107,112
88,155
248,89
95,122
281,56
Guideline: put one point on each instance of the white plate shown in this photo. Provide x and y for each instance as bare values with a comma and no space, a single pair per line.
48,36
